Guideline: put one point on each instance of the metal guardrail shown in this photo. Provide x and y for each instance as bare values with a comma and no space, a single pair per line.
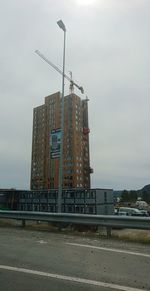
108,221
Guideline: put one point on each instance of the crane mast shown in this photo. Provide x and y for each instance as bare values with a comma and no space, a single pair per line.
72,83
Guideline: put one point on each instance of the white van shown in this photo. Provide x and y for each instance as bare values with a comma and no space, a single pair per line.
130,211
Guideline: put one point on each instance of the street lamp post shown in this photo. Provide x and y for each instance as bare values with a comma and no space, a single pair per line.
60,183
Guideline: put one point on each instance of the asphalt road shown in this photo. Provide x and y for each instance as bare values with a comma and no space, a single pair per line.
42,261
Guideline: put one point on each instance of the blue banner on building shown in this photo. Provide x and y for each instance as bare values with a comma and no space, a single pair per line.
55,141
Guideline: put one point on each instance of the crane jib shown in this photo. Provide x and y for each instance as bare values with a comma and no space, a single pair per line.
59,71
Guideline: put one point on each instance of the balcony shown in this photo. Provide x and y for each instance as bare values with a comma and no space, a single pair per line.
86,130
91,170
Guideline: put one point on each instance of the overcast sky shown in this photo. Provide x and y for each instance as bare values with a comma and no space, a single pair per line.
108,51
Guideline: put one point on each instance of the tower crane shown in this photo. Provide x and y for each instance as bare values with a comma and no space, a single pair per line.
72,83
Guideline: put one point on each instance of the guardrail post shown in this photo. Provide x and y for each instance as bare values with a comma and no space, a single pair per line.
23,223
101,230
108,228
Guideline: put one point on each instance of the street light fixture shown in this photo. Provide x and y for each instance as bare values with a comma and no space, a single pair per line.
60,183
61,25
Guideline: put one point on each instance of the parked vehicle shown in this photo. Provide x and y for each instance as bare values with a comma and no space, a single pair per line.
130,211
122,213
144,212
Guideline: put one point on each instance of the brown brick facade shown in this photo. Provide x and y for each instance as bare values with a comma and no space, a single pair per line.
76,165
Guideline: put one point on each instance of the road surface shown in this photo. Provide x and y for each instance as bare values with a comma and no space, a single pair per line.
43,261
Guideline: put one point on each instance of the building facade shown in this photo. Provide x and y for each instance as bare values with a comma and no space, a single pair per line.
8,199
45,151
92,201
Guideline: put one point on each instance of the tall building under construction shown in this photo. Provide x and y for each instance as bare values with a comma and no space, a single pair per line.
46,143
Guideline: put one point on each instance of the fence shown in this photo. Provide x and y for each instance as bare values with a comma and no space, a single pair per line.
108,221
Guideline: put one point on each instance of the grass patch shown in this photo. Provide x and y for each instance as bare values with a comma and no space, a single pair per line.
134,235
9,222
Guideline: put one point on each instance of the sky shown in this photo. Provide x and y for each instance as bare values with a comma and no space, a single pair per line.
107,50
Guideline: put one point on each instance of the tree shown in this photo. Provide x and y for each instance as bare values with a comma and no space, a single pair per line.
125,196
129,196
146,196
133,195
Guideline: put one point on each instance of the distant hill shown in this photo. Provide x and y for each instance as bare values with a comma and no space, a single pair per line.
146,188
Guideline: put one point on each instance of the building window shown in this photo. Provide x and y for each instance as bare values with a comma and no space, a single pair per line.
92,194
87,195
43,207
77,209
91,210
71,195
78,195
105,197
70,209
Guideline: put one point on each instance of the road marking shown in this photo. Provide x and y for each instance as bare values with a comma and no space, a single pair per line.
68,278
110,250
